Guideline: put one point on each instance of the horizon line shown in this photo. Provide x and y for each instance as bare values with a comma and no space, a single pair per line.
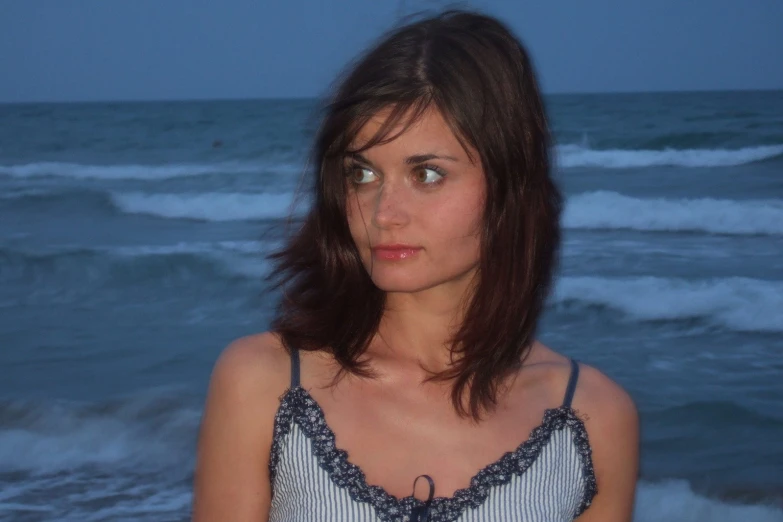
310,98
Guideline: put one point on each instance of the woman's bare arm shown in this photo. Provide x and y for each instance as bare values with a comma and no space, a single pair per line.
613,429
232,477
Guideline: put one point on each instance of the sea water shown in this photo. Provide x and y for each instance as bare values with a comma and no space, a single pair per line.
132,244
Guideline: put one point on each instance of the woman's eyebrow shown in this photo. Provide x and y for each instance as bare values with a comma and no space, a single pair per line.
410,160
359,158
421,158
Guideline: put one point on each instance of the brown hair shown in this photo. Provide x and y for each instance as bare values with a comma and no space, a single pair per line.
478,75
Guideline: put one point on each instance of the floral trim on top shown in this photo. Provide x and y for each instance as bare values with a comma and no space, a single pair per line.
298,406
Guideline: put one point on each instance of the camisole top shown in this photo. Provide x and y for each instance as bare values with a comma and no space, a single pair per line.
548,477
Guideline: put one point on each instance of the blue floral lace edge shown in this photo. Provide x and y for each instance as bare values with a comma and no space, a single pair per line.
297,406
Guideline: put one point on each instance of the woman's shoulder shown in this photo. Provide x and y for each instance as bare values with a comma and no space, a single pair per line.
257,365
596,395
606,407
264,351
247,381
611,420
236,428
603,397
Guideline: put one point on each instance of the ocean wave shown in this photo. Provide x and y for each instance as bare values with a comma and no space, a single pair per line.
213,206
201,206
568,156
195,247
675,501
59,200
691,140
573,156
589,210
131,265
735,303
610,210
150,430
137,172
717,414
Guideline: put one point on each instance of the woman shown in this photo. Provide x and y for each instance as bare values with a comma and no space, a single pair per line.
403,349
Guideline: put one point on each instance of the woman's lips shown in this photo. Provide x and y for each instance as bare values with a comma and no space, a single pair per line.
394,252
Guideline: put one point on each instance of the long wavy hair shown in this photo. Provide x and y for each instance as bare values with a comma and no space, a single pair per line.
471,68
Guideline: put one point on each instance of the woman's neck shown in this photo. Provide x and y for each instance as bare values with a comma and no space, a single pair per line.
417,329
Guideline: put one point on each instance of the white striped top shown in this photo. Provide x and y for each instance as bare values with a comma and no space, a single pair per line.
549,477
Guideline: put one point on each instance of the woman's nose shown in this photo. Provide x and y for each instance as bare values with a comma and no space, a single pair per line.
390,206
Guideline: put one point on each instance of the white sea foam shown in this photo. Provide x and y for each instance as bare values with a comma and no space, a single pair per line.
591,210
194,247
57,437
735,303
138,172
568,156
571,156
213,206
610,210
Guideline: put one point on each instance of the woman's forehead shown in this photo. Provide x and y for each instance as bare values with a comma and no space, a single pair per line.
426,130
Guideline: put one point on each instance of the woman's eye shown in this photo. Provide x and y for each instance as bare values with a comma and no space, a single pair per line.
428,176
362,175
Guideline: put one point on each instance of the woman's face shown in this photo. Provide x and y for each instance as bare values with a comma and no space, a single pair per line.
415,206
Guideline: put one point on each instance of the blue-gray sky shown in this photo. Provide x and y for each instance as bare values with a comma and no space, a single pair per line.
74,50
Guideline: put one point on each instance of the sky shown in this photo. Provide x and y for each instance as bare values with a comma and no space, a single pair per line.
95,50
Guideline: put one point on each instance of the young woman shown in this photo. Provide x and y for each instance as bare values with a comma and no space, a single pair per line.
402,379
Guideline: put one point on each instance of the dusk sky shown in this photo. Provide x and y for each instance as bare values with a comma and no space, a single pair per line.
84,50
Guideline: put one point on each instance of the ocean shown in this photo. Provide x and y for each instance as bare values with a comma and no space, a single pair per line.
132,243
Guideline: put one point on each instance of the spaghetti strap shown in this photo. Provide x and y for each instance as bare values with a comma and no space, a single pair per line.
294,367
569,395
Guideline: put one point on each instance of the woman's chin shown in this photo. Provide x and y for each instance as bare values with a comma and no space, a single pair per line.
400,284
413,281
